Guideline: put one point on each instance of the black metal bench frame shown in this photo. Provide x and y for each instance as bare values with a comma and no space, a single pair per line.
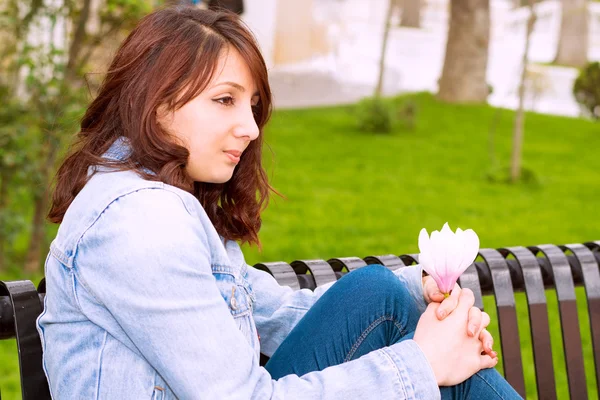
500,272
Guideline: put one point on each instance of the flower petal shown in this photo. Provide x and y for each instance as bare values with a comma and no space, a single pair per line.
428,264
446,229
471,248
438,252
455,253
424,245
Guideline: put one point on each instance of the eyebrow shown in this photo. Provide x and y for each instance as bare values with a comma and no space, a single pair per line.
235,85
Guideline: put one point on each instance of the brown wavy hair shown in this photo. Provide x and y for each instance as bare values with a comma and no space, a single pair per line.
167,60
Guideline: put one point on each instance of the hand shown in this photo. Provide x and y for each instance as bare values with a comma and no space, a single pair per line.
477,321
453,355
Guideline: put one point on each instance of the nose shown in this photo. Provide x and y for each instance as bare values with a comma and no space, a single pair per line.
246,126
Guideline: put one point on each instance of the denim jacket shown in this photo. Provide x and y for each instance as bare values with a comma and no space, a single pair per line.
146,301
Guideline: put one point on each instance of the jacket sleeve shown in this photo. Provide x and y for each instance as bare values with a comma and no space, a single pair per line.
156,281
279,308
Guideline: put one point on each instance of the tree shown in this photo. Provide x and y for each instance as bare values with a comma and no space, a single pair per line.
519,123
411,13
374,114
386,34
463,76
573,41
52,88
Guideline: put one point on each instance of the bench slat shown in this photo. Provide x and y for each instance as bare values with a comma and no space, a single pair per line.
390,261
588,262
25,299
470,279
507,319
538,318
350,263
560,270
282,272
321,272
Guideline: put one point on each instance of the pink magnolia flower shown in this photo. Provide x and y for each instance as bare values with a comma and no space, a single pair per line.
446,255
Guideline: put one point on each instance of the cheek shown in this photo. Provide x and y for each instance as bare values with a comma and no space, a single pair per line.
200,150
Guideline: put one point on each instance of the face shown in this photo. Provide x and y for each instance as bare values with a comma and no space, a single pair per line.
217,125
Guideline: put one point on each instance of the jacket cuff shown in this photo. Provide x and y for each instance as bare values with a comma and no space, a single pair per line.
414,371
412,277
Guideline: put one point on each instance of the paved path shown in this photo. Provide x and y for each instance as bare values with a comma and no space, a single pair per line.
415,59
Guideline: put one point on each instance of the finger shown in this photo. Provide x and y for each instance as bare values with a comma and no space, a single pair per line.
485,320
431,290
466,300
487,340
486,361
474,321
449,304
432,308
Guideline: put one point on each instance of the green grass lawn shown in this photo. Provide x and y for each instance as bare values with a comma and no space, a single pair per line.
355,194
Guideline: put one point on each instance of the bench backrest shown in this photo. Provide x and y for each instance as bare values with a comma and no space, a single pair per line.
498,272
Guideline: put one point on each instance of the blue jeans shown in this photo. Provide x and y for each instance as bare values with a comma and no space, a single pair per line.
364,311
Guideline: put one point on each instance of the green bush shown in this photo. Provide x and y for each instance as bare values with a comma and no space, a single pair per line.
406,114
587,89
374,115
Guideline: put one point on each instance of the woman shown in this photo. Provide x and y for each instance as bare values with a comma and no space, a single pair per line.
148,294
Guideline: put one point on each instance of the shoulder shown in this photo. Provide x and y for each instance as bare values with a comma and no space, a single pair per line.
122,205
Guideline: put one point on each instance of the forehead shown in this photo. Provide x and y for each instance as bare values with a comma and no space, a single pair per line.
231,67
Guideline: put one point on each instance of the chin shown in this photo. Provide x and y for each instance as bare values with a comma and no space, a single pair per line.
224,178
218,176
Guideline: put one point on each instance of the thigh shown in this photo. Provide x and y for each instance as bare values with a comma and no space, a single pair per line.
365,310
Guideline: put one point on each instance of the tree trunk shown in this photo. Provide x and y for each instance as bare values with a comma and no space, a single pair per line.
573,41
3,205
464,74
36,240
41,204
411,13
78,38
519,126
386,34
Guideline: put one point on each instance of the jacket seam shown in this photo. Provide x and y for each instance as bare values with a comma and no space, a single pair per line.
161,186
398,374
100,356
370,329
43,339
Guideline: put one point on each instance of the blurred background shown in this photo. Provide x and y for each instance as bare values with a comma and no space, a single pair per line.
390,116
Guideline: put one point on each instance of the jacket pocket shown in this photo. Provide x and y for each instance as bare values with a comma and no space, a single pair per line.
233,292
238,298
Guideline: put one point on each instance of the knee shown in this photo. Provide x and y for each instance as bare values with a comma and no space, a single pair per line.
373,272
378,285
377,278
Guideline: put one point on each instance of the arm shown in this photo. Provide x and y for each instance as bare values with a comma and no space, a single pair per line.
155,280
279,308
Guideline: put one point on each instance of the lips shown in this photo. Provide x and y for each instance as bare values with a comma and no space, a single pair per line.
233,155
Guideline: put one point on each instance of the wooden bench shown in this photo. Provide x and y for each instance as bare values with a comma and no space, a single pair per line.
498,272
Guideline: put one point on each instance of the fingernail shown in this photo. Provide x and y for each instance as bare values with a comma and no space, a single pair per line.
488,344
472,330
494,354
437,293
441,314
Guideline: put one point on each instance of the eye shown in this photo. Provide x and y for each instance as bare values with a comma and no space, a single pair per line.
255,105
256,110
226,100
